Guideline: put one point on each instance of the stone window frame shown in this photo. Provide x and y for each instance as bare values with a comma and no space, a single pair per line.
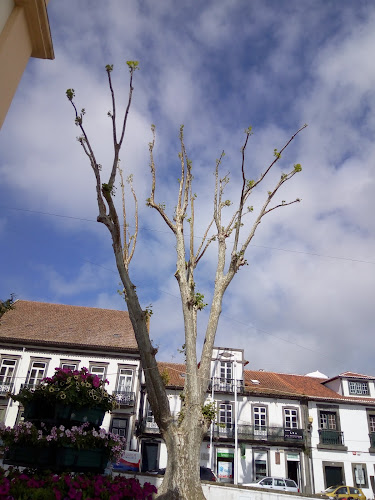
355,483
333,464
356,383
330,408
296,409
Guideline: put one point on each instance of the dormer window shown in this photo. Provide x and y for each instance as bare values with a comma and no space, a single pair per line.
358,388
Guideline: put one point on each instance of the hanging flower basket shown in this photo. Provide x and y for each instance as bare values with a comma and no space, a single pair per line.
71,388
86,414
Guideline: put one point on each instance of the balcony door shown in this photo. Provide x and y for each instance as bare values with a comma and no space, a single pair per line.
125,380
7,371
260,421
36,373
225,419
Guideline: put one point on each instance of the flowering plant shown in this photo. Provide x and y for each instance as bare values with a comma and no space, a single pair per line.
15,484
82,437
70,387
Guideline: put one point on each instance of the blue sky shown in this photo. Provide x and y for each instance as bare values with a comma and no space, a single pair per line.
305,302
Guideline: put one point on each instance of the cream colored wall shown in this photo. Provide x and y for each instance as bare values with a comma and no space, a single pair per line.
6,7
25,33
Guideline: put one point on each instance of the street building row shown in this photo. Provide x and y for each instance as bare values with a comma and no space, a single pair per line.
316,430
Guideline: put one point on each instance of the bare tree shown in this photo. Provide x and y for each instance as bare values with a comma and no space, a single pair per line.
184,436
7,305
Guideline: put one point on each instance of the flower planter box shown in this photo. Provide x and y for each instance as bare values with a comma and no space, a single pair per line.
35,456
75,460
61,414
92,415
36,410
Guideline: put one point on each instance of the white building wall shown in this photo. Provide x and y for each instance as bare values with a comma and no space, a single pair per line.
54,361
354,425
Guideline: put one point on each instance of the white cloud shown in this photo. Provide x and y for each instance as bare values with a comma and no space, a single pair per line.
217,69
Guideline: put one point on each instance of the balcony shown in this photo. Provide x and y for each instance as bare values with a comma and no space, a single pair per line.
31,387
5,388
149,426
124,398
330,437
226,385
260,433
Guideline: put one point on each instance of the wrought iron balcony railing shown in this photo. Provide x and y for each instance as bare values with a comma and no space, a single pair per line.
259,433
30,386
6,387
331,437
125,398
150,426
219,384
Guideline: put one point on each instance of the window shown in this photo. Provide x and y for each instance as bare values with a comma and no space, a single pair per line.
328,420
150,419
371,422
359,388
359,475
329,432
36,373
99,370
125,380
260,420
7,372
266,482
225,370
290,418
69,365
119,426
225,417
260,464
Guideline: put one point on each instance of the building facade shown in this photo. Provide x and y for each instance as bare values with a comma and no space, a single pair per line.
312,429
317,431
24,33
36,338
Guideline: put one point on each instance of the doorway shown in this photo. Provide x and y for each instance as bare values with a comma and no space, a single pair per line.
150,456
293,467
333,475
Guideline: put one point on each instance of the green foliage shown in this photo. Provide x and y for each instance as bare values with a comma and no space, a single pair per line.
276,153
250,183
209,411
109,68
182,350
297,167
7,305
70,94
249,130
198,301
133,65
148,311
165,377
107,189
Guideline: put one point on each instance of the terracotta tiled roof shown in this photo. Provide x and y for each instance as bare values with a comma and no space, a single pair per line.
273,384
59,324
174,371
352,375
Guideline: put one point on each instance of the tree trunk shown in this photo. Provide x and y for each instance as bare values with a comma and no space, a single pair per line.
182,476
